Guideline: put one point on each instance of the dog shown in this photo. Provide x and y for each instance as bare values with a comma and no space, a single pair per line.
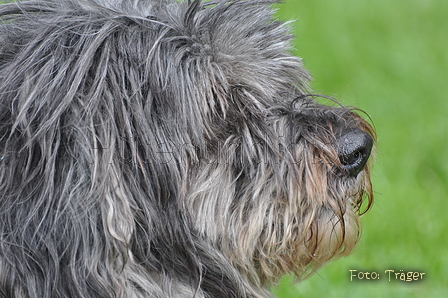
158,148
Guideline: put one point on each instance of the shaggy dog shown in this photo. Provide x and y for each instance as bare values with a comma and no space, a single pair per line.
157,148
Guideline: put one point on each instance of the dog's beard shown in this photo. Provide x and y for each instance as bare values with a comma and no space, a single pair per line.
278,215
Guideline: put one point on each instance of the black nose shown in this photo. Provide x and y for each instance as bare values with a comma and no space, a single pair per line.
354,148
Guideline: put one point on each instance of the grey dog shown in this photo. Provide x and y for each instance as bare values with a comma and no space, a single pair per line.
157,148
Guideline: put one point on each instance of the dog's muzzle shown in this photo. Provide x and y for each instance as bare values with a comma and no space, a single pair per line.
354,148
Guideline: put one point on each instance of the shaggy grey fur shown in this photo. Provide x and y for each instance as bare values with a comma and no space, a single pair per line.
156,148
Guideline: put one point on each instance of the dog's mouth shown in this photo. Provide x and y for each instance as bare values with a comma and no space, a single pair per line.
332,196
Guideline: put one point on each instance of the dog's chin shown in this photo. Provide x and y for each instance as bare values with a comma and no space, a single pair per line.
327,238
311,240
335,231
292,232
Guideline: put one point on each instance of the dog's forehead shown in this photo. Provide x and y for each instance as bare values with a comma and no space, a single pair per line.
232,45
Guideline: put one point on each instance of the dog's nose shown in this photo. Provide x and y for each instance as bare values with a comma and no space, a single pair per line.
354,148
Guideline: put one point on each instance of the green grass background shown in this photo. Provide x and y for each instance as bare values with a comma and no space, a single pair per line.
389,58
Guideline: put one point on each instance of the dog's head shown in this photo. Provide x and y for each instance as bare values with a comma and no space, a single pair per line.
174,137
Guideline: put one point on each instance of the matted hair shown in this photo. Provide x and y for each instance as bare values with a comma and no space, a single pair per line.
164,149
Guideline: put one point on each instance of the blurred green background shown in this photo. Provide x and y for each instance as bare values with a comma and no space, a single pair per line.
389,58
